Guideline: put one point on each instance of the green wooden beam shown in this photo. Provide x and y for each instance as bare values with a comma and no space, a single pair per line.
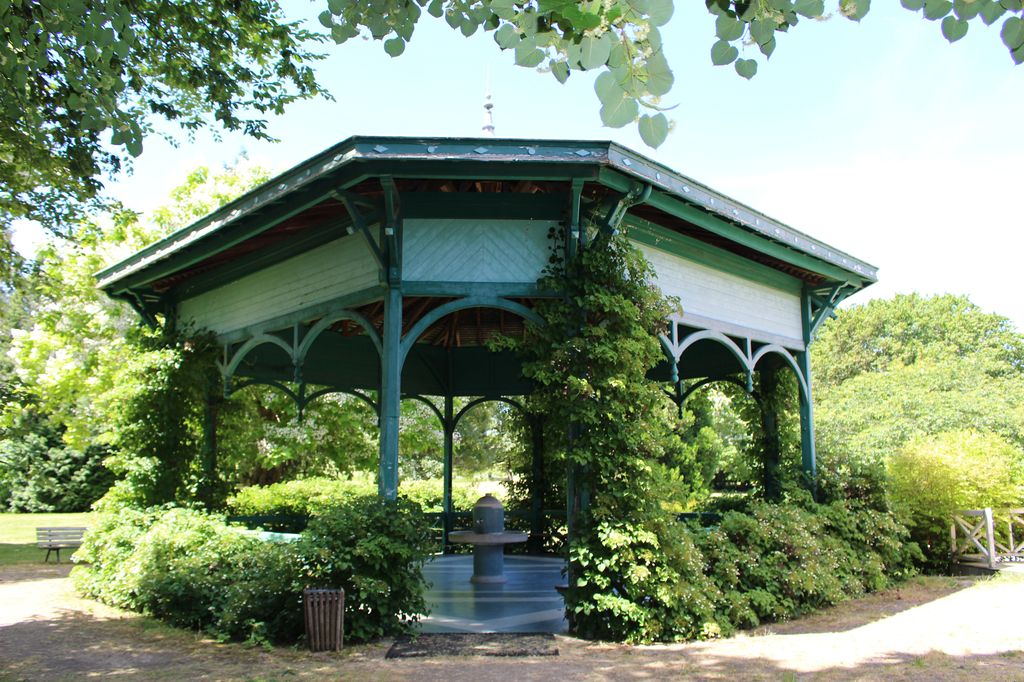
360,224
460,289
472,205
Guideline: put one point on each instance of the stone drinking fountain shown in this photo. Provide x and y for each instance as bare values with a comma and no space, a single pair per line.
488,538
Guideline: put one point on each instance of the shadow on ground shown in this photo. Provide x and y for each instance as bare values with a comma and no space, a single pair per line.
69,638
857,613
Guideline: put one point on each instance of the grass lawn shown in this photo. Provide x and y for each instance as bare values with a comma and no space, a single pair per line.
18,535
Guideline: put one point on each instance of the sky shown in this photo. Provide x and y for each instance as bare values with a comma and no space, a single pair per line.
879,138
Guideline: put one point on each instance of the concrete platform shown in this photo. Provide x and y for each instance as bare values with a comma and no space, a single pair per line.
528,602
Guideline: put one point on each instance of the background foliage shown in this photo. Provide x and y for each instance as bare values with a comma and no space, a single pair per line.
910,392
933,477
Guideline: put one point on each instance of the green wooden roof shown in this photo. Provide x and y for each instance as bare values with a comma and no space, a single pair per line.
357,158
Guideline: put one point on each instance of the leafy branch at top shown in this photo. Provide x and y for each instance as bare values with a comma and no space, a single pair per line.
623,38
756,22
559,36
81,83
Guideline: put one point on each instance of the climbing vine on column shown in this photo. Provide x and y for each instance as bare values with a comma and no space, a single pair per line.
632,566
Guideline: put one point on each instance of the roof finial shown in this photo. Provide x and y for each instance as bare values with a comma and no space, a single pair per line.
488,127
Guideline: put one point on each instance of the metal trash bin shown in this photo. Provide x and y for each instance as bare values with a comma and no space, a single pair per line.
325,618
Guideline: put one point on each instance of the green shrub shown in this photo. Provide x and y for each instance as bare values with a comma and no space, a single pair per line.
303,497
933,477
641,583
782,560
109,570
190,569
311,496
375,550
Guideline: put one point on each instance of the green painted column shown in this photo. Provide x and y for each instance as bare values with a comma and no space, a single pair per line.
808,454
449,447
535,545
803,359
209,453
770,446
390,393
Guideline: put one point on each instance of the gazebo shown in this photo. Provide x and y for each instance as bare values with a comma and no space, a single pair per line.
380,268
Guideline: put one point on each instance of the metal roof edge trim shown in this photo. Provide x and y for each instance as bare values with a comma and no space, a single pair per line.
686,188
489,149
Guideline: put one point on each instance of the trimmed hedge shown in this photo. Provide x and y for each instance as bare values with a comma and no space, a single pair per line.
309,496
192,570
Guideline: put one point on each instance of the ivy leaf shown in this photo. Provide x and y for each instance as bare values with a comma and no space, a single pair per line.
936,9
653,129
1012,5
1013,33
435,9
134,145
992,11
954,29
728,29
336,7
1017,55
855,9
768,48
723,53
607,88
619,113
746,68
394,47
718,7
809,8
659,75
762,30
594,52
966,9
326,19
506,37
560,70
660,11
528,54
505,9
912,5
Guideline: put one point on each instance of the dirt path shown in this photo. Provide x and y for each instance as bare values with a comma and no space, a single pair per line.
934,629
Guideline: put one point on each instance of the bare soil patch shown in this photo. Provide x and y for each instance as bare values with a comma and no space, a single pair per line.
931,629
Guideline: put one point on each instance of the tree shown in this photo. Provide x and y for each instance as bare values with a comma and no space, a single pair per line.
84,82
70,351
910,368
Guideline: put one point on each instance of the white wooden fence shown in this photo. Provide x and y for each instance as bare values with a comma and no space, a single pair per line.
987,537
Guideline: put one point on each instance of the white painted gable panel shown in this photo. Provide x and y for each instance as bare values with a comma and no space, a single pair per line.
713,294
337,268
475,250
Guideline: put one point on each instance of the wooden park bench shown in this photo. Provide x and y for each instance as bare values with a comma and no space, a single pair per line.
56,538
